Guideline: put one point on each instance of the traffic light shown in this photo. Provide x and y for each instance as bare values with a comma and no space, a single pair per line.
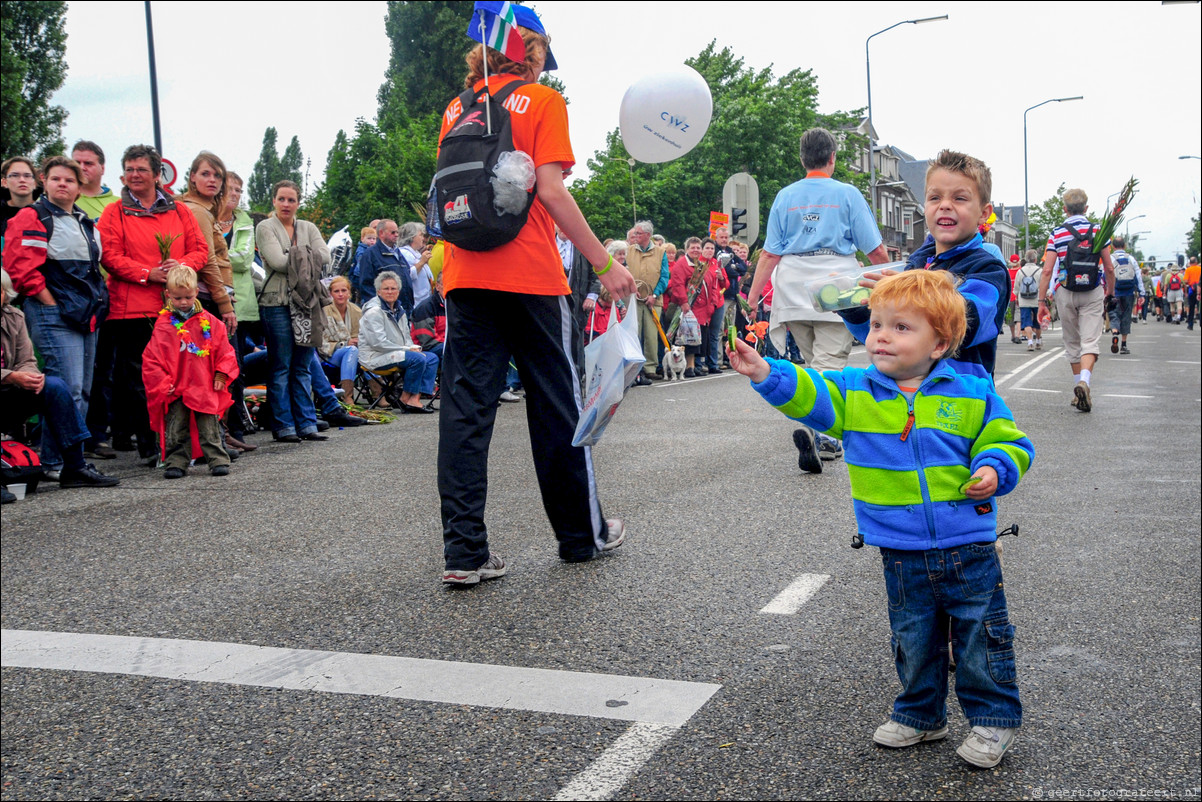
737,223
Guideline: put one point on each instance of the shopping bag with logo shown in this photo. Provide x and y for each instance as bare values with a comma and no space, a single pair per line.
689,332
611,363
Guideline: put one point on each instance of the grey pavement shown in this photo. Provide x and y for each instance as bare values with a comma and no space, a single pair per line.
335,547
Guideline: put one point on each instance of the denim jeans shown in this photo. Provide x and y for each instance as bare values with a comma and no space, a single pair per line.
69,355
323,393
346,359
713,351
420,369
61,422
290,384
963,584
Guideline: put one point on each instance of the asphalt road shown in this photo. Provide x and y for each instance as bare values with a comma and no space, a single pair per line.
335,548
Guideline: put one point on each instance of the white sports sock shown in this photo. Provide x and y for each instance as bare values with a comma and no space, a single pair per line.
1076,378
1085,374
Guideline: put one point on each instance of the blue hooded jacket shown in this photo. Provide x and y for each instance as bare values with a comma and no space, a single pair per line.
985,285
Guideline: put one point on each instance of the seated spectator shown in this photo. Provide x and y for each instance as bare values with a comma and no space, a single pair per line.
340,337
24,390
385,342
430,321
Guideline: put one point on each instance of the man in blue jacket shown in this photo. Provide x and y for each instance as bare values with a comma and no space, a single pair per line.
385,255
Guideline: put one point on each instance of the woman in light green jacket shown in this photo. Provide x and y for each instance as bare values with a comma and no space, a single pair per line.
239,232
240,239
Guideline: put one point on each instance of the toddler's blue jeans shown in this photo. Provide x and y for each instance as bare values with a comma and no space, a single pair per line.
963,585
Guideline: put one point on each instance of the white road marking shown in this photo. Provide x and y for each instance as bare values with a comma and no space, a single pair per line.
789,600
617,764
644,700
725,374
1176,362
1117,395
1037,390
1030,369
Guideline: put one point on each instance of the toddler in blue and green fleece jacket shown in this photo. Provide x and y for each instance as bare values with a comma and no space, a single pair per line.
927,449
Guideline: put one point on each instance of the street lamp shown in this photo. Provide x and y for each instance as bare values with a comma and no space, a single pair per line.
1129,225
871,144
1190,157
1026,185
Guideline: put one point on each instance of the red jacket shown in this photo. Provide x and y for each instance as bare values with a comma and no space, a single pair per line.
709,296
170,371
129,251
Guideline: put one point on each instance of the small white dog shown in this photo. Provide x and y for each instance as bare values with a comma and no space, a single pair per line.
674,363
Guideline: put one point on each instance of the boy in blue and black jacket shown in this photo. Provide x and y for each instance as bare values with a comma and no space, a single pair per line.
927,448
958,211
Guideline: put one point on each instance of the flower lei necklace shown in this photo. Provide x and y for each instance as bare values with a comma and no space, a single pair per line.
185,339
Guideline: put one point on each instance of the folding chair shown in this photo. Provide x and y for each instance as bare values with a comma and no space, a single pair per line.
389,379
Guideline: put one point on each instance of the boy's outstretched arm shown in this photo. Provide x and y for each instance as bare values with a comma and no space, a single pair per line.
803,395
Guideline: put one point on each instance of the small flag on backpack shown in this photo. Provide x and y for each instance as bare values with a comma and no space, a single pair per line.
495,25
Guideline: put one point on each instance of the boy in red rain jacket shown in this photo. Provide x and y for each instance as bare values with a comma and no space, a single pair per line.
186,368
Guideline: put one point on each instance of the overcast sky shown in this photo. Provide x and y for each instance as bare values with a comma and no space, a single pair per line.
226,71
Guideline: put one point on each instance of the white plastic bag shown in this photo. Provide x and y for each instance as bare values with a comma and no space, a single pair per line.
611,362
689,332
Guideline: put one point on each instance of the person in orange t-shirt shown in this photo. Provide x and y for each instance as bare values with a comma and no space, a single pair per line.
514,299
1192,273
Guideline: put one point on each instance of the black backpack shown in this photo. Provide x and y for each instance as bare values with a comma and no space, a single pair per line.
460,207
1081,263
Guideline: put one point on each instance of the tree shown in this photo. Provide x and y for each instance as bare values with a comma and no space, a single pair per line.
757,122
1193,244
425,68
271,168
33,42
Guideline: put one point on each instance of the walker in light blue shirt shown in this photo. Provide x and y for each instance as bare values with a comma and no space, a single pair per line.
820,214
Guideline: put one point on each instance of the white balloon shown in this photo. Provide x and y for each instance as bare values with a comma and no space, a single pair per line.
664,115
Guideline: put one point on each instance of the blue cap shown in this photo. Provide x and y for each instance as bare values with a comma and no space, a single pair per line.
522,15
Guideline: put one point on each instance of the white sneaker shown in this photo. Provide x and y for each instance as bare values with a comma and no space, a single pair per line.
494,568
986,746
509,397
896,735
616,534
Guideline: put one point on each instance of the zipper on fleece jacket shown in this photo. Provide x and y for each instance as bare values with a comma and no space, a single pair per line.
922,477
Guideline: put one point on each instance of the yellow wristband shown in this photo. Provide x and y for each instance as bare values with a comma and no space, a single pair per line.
605,269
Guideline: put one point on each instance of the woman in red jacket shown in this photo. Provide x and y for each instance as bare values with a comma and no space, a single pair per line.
695,283
142,238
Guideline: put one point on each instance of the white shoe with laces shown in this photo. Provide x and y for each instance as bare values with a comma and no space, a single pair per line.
896,735
986,746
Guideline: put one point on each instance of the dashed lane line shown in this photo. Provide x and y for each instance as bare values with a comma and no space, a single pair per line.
617,764
790,600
